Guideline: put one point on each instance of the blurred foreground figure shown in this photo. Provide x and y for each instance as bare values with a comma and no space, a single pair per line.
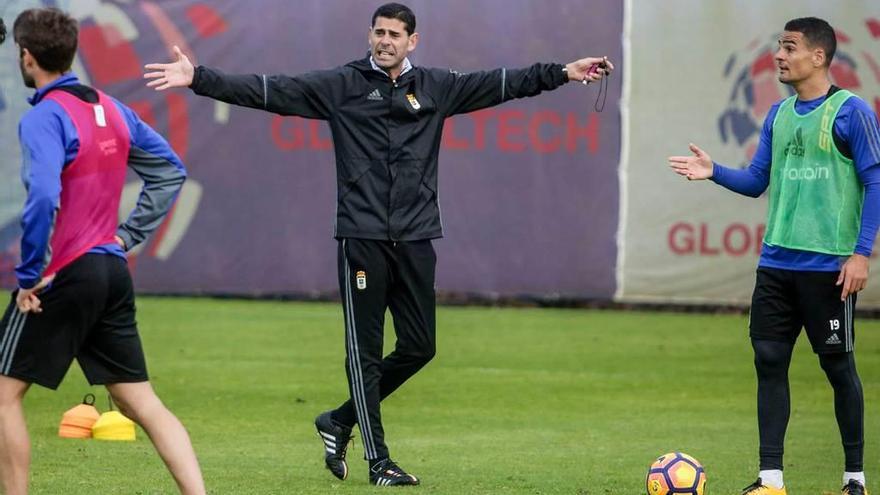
75,297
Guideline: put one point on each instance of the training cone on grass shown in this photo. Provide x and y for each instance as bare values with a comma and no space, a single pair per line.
112,425
77,421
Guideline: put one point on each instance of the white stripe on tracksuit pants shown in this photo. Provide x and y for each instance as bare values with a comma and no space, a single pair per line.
356,380
375,276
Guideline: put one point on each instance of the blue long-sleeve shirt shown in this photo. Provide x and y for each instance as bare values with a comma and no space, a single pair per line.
49,142
856,125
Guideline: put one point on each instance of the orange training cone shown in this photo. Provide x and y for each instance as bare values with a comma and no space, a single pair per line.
77,422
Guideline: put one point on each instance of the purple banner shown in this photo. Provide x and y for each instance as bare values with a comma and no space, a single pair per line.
528,189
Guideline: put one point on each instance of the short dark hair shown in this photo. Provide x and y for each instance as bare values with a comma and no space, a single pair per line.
49,35
397,11
2,32
817,33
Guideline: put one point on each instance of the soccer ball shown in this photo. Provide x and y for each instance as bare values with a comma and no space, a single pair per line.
676,472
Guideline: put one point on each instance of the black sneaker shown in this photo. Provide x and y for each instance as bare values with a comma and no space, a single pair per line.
853,487
387,473
336,438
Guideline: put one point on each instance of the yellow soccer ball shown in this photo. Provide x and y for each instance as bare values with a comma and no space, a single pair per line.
676,473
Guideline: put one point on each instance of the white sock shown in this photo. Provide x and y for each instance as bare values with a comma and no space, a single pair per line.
860,477
771,478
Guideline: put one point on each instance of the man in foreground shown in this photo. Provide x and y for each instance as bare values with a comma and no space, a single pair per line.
75,297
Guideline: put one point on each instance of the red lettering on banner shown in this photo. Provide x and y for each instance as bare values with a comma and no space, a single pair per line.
759,238
704,242
681,238
507,129
540,118
590,132
287,133
736,239
316,142
449,141
480,119
702,239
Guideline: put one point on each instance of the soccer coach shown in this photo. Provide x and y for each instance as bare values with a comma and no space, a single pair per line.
386,118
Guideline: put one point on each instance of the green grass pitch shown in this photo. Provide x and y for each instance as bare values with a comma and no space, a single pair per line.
517,401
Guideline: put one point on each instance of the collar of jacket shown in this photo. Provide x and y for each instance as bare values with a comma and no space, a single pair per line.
407,66
365,65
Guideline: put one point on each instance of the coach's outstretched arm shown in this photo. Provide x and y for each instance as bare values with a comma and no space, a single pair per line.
177,74
469,92
300,95
589,69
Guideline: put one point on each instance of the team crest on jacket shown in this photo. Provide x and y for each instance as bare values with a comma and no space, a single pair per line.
361,278
413,101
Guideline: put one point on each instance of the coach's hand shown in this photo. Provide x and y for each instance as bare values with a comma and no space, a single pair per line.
853,275
580,70
697,167
177,74
27,300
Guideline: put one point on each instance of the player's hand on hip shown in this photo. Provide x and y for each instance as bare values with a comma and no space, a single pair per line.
697,167
590,69
853,275
27,301
177,74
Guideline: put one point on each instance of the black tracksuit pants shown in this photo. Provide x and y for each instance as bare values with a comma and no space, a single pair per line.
375,275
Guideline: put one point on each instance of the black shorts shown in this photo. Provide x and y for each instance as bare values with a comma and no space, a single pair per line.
88,314
785,301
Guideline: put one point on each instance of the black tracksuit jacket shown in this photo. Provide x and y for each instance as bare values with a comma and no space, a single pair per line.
386,134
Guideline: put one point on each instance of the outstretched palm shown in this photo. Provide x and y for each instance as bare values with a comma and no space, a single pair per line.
178,74
697,167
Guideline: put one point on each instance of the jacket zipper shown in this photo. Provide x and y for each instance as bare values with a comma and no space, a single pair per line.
390,176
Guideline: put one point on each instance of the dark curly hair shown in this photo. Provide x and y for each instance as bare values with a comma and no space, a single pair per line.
49,35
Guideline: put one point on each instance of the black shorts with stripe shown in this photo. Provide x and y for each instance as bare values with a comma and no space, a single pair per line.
785,301
88,314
